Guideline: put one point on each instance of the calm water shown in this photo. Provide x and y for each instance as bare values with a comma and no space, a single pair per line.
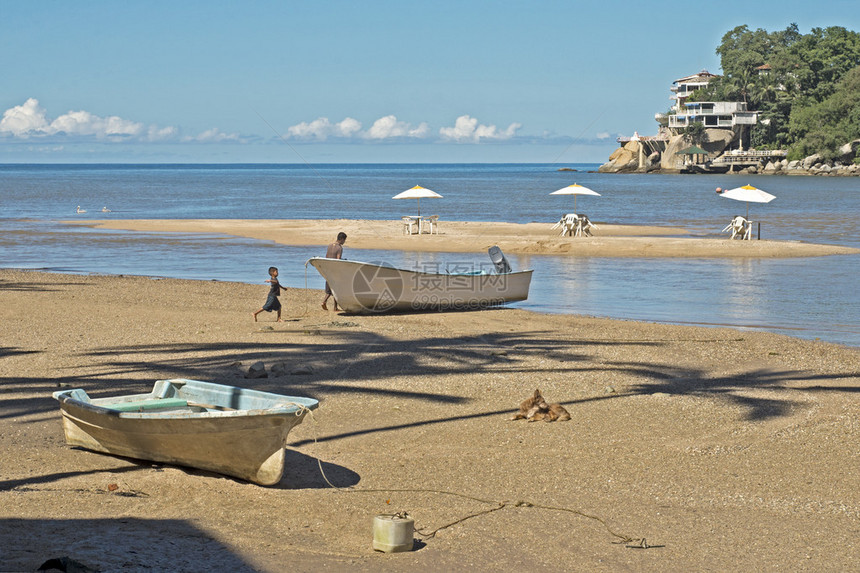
809,297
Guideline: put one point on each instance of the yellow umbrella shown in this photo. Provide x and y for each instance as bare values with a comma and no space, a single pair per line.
418,192
575,189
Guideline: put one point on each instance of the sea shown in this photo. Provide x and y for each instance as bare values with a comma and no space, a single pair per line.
810,298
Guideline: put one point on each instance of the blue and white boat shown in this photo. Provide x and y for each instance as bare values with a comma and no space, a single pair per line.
224,429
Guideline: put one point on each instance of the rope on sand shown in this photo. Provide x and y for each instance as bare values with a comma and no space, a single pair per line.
628,541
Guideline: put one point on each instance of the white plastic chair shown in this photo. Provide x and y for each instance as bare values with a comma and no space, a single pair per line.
567,224
408,224
584,225
739,227
432,223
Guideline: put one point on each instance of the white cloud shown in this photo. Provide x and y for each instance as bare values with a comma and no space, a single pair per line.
467,129
603,135
348,127
161,133
85,123
213,136
23,120
321,129
388,127
30,120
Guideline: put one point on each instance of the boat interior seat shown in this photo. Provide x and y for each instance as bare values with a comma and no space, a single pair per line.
148,405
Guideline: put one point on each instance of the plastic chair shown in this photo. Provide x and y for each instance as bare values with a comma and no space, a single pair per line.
584,225
433,223
739,227
408,224
567,223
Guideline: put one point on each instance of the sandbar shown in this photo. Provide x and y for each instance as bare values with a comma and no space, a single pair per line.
468,236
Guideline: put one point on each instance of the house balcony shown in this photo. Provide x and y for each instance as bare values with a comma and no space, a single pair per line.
747,118
681,121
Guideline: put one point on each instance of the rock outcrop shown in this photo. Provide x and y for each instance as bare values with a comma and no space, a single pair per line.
632,157
636,157
714,142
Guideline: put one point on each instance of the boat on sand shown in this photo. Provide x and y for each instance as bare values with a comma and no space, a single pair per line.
224,429
364,288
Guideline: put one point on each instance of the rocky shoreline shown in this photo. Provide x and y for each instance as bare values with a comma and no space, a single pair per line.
812,165
653,155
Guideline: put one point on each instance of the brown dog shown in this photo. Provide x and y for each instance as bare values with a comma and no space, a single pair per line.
529,407
536,409
550,413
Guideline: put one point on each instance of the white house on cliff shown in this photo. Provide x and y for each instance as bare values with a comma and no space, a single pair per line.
716,114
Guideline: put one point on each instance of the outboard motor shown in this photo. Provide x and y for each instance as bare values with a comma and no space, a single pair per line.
498,258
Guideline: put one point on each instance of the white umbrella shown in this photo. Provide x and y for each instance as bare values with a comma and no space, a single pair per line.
748,194
418,193
575,189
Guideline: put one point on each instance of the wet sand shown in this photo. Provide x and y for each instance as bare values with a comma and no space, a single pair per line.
459,237
724,450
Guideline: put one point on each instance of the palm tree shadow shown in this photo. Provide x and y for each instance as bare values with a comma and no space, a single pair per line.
306,472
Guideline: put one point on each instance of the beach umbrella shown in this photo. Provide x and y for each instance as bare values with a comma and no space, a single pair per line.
418,193
575,189
748,194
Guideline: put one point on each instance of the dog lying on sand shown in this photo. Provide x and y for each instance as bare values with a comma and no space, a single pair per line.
536,408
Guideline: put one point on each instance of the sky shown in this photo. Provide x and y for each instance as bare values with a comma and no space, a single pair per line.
319,81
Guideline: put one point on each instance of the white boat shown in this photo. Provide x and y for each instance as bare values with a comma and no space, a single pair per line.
224,429
362,287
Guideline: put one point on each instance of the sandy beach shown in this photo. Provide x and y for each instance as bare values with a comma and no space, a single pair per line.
723,450
467,236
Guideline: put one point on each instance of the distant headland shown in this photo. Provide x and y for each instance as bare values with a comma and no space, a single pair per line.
772,112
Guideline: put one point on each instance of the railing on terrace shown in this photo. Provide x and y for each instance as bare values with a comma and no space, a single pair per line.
681,121
751,156
681,164
627,138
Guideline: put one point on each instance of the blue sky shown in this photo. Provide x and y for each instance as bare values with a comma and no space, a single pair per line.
355,82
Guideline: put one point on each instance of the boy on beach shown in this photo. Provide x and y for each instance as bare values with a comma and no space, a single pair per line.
334,251
272,302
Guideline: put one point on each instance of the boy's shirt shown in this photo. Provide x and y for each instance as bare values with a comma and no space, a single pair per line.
275,288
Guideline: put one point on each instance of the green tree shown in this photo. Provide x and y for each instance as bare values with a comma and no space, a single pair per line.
695,132
742,52
824,127
818,60
803,94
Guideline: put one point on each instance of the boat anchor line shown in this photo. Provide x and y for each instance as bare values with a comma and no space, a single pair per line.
630,542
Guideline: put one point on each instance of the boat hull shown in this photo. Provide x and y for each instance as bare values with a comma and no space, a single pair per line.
224,429
369,288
